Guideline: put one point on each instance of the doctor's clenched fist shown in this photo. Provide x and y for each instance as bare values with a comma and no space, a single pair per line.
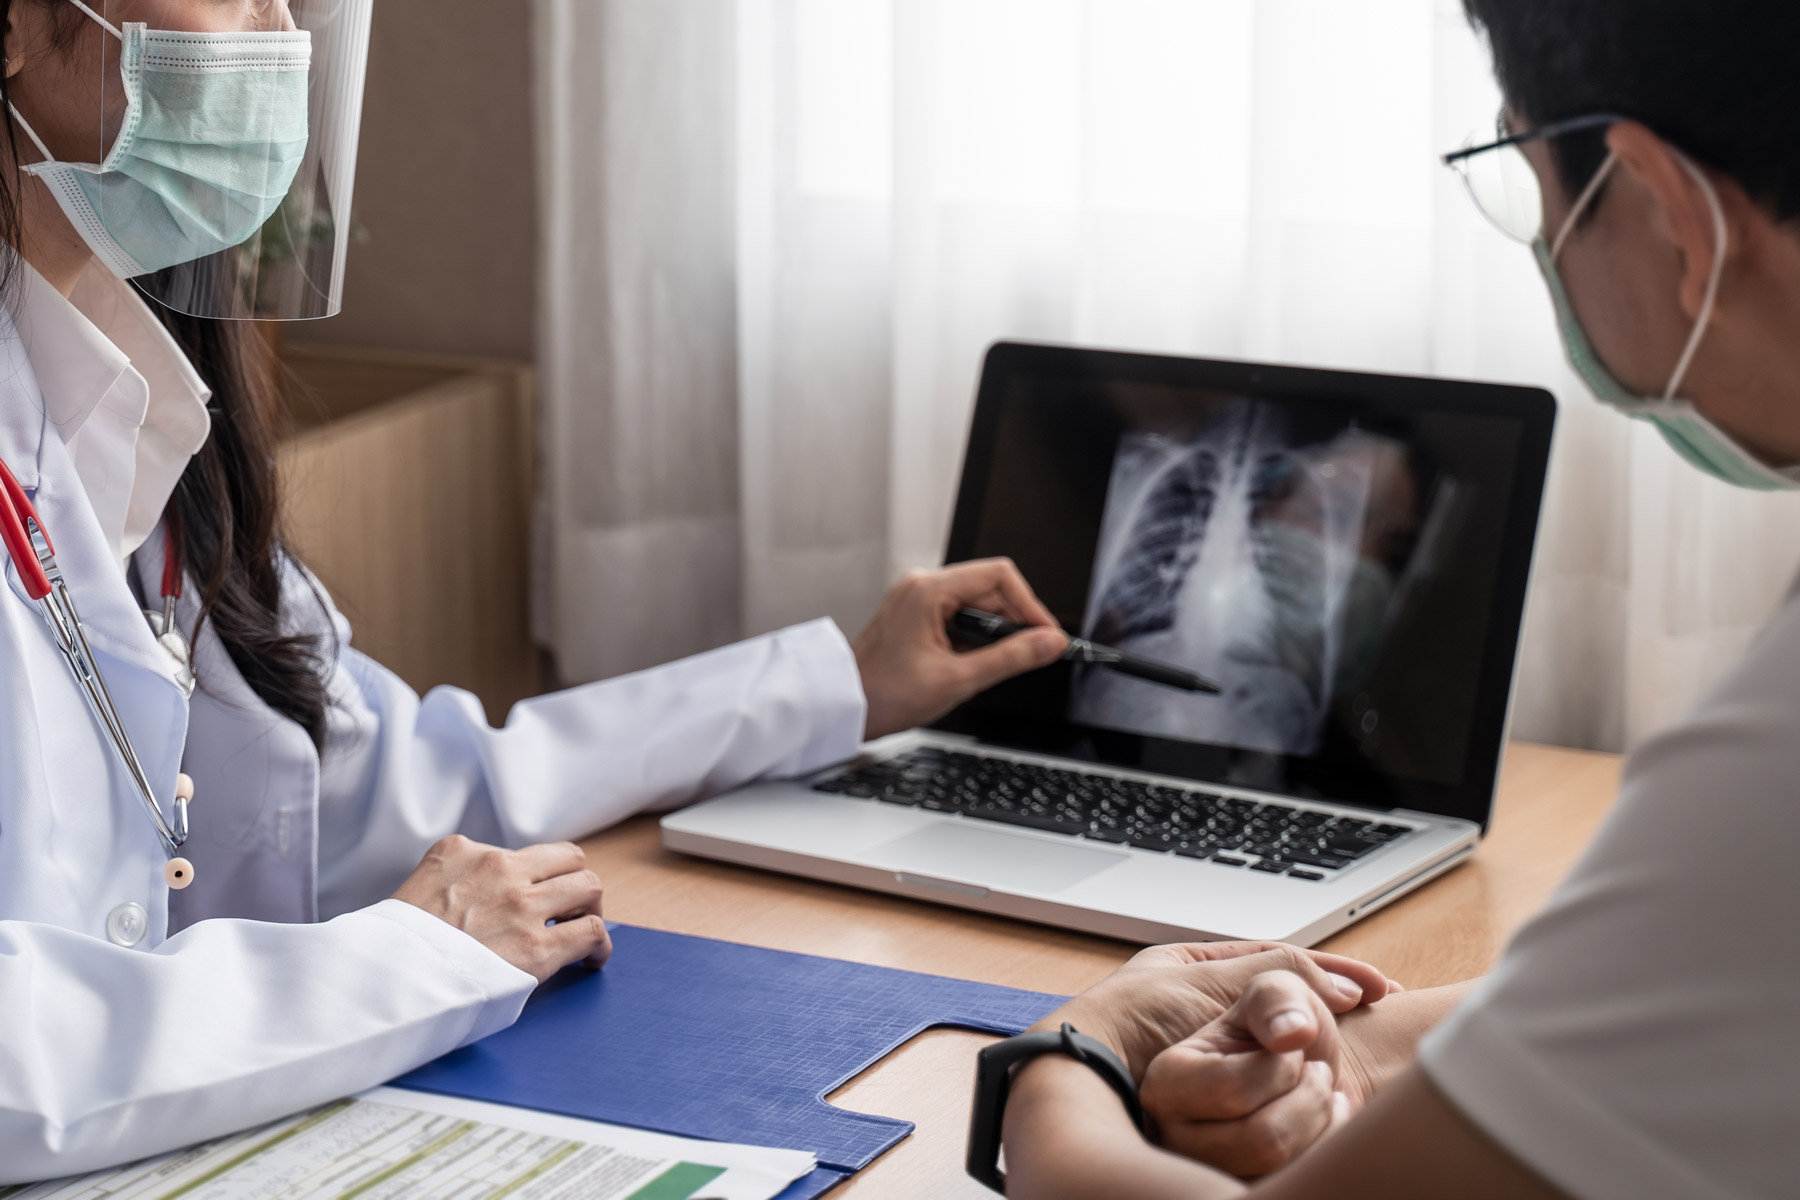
506,899
911,674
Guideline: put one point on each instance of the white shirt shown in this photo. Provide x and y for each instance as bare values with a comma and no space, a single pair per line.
126,402
1640,1039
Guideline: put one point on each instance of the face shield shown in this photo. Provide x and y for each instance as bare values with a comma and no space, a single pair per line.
230,132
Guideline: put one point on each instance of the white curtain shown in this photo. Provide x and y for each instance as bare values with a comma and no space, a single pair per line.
780,234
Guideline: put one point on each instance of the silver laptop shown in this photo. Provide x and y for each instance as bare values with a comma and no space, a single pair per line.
1346,554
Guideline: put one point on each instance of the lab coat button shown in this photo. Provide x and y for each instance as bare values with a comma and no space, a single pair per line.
127,924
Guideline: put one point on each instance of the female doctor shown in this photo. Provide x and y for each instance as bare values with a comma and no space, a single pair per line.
350,914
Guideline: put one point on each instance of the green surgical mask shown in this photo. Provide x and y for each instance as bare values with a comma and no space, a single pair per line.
214,129
1690,434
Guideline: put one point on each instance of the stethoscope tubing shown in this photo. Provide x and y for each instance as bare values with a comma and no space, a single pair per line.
28,544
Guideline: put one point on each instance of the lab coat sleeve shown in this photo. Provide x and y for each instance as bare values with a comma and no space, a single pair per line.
110,1055
400,772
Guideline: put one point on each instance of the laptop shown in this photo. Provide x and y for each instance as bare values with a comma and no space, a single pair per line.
1347,555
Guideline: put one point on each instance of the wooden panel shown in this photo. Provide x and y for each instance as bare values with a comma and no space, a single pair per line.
408,493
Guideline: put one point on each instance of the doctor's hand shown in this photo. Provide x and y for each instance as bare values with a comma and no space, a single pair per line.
507,899
911,674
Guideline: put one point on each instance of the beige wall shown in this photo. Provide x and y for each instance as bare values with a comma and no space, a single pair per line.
445,194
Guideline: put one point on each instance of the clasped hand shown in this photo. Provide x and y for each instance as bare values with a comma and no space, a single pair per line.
1236,1045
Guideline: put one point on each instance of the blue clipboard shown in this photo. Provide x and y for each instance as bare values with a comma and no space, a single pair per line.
715,1040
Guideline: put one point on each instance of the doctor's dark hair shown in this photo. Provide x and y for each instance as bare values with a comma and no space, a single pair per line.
226,515
226,506
1715,78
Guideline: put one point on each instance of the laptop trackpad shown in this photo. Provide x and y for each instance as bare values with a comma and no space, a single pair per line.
993,857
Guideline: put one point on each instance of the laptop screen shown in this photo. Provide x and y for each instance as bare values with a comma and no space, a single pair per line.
1345,554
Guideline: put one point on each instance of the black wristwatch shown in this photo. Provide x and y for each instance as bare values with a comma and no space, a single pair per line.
994,1068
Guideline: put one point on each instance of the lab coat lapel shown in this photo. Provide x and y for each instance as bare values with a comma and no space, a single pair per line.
138,672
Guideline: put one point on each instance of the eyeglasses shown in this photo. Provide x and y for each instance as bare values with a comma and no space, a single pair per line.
1501,181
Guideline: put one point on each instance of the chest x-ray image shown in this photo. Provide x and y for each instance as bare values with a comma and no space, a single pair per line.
1265,560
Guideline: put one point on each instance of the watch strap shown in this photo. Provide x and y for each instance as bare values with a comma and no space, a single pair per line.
994,1069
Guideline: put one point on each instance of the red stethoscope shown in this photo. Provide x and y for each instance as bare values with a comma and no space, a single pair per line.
35,560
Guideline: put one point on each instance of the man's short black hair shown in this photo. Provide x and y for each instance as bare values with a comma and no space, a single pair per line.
1718,79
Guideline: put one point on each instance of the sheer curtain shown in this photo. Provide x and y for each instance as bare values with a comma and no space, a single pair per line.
782,232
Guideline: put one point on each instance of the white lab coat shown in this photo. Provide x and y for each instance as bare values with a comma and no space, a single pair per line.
282,978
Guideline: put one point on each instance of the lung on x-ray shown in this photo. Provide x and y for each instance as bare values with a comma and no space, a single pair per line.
1269,562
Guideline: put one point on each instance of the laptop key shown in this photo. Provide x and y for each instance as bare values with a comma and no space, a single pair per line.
1228,860
1303,873
1154,838
1271,866
1314,858
1346,846
1029,820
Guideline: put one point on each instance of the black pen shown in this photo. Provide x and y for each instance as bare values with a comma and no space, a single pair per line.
984,627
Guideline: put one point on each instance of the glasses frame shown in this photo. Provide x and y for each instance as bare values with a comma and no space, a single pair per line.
1457,160
1554,129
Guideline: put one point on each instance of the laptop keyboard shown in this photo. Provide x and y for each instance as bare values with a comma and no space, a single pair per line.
1232,832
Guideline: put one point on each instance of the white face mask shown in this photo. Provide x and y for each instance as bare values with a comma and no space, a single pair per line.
1688,432
213,133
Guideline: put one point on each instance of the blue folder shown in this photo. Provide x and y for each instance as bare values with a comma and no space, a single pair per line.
715,1040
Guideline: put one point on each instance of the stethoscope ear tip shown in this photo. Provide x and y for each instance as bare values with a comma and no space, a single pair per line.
178,873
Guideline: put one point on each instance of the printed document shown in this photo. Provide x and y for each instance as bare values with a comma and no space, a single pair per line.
391,1143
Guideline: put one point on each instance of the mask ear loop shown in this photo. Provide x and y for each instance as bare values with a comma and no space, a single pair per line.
32,134
104,23
1581,204
1721,243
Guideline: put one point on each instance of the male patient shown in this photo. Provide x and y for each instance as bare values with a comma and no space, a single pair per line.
1638,1039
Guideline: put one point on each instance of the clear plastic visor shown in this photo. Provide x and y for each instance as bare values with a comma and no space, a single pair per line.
229,130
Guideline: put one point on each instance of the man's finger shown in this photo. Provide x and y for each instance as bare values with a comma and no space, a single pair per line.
1368,984
1281,1012
1342,985
1374,984
1267,1139
1010,656
547,860
1195,1081
1225,978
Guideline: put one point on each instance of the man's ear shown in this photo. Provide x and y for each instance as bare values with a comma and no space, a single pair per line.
1680,210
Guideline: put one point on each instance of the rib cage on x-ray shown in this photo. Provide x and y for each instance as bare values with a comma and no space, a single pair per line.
1204,562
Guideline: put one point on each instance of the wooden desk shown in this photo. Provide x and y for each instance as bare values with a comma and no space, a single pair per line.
1549,805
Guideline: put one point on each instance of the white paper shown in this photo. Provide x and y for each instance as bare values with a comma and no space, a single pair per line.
389,1143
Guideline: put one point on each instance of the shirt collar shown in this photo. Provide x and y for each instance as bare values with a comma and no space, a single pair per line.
105,364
